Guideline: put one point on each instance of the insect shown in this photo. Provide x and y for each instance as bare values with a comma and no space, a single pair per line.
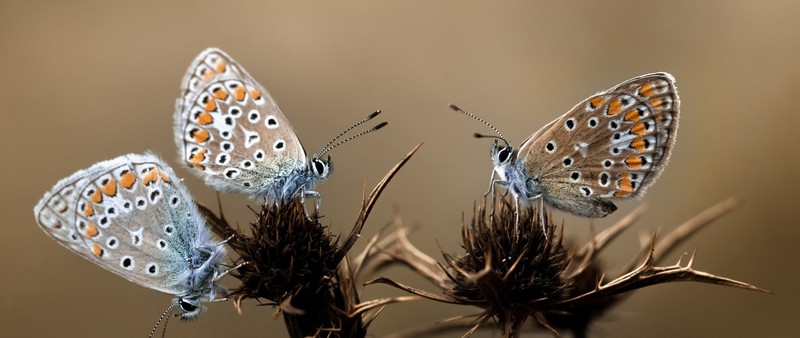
230,130
132,216
610,146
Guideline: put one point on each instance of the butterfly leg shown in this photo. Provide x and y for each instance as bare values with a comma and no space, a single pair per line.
541,216
492,182
227,239
317,199
226,272
312,194
491,188
516,216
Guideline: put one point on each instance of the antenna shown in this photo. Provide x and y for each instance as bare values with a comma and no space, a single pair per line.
325,149
379,126
328,147
166,314
454,107
479,135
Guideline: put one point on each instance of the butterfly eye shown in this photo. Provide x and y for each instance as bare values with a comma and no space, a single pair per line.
504,154
186,306
319,167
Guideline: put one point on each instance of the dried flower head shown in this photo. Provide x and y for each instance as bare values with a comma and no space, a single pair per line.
293,261
532,276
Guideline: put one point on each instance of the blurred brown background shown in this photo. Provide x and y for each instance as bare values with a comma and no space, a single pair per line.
84,82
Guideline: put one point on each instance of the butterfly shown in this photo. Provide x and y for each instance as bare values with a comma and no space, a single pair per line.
132,216
610,146
230,130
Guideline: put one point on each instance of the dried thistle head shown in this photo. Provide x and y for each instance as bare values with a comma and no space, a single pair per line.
293,261
502,271
287,251
561,287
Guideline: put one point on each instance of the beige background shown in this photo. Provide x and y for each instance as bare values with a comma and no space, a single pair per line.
83,82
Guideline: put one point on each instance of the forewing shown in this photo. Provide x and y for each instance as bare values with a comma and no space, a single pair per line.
611,145
129,215
229,129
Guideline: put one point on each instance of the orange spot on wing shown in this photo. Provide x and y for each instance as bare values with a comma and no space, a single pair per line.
221,94
639,129
255,94
239,93
614,107
127,180
638,144
97,250
208,75
634,162
211,105
110,189
89,211
91,230
621,193
198,156
632,115
221,66
201,135
165,177
655,102
204,118
150,177
646,90
97,196
597,102
200,167
625,182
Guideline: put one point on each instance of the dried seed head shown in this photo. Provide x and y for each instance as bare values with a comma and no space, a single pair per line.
293,261
562,287
287,251
525,268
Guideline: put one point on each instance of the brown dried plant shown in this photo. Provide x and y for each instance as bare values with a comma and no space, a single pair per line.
295,263
560,285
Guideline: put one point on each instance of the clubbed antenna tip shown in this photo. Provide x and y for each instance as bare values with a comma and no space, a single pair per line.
328,147
477,135
380,125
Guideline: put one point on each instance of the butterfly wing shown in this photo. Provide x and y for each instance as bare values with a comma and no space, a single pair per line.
612,145
230,130
130,215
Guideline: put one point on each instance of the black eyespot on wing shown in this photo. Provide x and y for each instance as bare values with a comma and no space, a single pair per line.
570,124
